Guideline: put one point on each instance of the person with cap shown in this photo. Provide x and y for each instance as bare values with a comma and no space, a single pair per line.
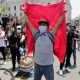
43,54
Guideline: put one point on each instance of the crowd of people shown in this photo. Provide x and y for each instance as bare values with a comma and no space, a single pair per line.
12,35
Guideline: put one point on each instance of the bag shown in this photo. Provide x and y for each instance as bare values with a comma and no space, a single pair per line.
51,37
26,63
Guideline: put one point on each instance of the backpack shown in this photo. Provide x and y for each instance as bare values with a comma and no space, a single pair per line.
51,37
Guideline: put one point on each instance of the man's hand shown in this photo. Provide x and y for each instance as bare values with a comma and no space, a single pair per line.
22,39
30,24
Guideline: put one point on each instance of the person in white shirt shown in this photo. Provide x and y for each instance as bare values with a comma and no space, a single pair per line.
2,43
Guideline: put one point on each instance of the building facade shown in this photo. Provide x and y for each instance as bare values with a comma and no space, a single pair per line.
76,21
12,7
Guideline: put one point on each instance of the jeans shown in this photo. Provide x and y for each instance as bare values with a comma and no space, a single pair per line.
62,65
74,55
46,70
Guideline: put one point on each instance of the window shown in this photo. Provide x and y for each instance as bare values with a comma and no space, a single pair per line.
3,9
14,14
14,7
76,22
1,1
9,8
20,14
21,6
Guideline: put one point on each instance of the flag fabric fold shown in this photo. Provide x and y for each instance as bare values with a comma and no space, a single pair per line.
51,13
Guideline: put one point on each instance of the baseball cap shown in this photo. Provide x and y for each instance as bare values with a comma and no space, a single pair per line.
42,20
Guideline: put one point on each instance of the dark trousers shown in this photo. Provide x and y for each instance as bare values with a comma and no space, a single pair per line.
74,55
15,53
46,70
67,57
62,65
3,53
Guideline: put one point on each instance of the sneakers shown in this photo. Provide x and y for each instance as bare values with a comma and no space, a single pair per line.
68,69
60,72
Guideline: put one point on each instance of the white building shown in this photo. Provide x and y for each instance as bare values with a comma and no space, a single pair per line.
69,11
12,7
76,21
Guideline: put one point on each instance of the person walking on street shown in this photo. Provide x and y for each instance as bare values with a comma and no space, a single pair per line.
69,49
75,39
13,39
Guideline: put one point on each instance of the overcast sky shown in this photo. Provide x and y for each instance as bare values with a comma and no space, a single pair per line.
75,8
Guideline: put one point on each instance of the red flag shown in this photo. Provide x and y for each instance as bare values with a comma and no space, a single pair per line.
51,13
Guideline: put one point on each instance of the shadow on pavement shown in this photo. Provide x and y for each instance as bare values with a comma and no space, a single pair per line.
1,62
23,75
79,72
73,67
64,73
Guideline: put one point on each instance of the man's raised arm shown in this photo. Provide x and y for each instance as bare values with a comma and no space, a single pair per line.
58,24
33,30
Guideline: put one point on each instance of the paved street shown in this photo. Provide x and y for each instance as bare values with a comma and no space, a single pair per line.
74,75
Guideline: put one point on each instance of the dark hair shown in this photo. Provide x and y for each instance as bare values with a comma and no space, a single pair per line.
43,22
18,24
74,27
0,23
68,24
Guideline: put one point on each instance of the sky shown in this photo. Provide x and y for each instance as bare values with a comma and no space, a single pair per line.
75,8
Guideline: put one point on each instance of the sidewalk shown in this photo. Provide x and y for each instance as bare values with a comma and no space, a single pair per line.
74,75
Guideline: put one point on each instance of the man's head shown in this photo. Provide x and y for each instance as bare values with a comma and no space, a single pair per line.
43,25
73,28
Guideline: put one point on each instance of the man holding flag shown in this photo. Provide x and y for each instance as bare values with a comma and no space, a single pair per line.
43,36
43,56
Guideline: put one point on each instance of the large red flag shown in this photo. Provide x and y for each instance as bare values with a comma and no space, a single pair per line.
51,13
